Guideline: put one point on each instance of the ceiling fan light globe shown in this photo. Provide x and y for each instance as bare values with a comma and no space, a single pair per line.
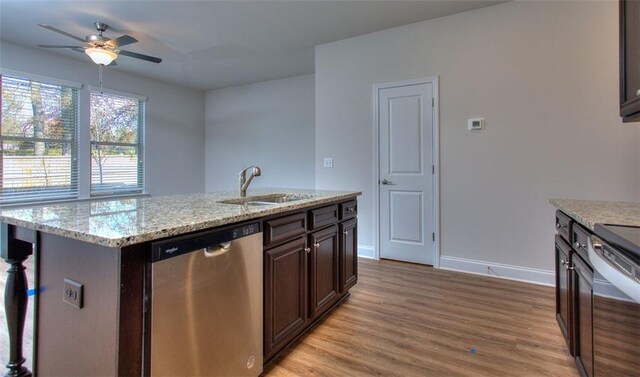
101,56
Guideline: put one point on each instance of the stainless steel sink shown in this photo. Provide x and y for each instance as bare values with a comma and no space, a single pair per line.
266,200
256,204
278,200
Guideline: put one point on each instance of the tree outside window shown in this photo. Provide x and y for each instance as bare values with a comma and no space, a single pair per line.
116,127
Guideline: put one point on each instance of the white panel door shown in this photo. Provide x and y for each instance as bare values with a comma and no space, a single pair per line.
406,179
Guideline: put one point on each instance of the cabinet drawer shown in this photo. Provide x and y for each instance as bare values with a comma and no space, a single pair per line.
323,216
579,236
348,209
284,228
563,225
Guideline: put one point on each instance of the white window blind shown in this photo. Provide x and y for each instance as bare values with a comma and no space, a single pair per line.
117,144
38,141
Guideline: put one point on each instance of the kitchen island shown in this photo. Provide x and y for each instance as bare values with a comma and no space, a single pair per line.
600,323
105,245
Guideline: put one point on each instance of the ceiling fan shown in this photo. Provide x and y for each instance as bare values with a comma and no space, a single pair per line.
102,50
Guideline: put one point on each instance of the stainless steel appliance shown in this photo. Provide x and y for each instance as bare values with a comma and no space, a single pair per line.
206,304
614,253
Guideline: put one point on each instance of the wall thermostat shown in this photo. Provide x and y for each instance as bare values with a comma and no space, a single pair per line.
476,124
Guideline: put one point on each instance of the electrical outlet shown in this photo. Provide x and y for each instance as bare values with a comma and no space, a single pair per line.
328,162
475,124
73,293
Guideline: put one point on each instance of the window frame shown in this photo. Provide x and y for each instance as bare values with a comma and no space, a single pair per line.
82,143
73,192
140,145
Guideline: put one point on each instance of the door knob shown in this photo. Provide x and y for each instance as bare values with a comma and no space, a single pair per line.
386,182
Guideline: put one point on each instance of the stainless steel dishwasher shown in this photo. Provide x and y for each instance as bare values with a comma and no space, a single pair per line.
205,308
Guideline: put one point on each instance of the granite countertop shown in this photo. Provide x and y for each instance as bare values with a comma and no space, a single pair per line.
123,222
589,212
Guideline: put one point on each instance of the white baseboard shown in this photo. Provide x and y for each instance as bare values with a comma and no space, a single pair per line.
365,251
498,270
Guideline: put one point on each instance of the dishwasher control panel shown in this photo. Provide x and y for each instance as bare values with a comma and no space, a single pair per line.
180,245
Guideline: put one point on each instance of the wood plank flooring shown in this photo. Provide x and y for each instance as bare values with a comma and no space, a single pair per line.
410,320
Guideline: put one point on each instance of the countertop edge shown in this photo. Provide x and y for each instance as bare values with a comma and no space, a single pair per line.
588,213
571,213
184,229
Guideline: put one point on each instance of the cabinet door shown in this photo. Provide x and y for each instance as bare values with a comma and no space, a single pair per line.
324,274
348,255
285,294
582,299
629,60
563,286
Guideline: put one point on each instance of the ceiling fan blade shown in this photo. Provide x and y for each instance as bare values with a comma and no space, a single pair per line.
122,41
49,27
139,56
112,64
56,46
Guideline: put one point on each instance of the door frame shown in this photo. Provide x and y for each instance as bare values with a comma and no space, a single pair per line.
433,80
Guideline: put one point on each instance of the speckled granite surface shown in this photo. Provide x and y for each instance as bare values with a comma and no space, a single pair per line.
589,213
117,223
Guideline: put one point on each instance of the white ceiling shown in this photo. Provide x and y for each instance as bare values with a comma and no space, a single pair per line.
216,44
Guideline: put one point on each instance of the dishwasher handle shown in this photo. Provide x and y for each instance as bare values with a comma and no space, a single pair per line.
215,242
214,251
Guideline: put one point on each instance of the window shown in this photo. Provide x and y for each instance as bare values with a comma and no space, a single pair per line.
38,141
117,149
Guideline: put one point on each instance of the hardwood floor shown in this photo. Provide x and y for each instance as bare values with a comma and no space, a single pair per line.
410,320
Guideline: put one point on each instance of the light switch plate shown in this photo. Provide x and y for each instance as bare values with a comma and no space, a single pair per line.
73,293
475,124
328,162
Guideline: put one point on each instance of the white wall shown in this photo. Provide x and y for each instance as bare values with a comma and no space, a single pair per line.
174,115
545,77
269,124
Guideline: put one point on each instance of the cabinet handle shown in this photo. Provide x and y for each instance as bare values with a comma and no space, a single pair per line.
578,245
317,245
638,92
558,226
351,209
569,268
346,232
307,249
564,263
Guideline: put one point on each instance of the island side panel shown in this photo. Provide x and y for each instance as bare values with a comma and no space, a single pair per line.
84,340
130,336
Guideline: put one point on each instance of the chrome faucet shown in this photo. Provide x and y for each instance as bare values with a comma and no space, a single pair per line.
244,181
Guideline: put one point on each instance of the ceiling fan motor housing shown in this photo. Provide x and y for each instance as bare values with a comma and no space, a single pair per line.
98,39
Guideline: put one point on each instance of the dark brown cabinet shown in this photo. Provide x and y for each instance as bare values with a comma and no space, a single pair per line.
284,228
310,265
574,291
348,254
285,299
323,277
582,300
563,309
630,60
